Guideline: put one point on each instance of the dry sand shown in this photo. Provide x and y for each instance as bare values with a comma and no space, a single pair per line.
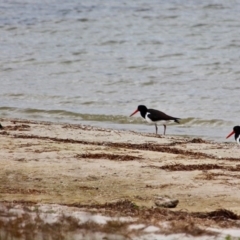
94,168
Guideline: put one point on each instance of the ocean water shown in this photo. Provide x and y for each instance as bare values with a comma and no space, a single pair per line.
93,62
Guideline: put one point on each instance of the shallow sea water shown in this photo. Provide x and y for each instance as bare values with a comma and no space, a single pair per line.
94,62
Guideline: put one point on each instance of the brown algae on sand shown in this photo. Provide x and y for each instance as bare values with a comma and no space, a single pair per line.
87,167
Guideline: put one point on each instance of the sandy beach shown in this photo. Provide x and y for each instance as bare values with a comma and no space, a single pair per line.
120,173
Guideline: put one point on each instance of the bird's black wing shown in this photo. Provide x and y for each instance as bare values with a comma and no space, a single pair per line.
156,115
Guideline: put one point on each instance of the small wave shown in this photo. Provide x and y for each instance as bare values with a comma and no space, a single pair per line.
118,119
63,114
199,25
11,28
79,52
14,94
214,6
83,20
150,82
7,109
7,69
170,17
66,62
151,42
172,55
204,122
30,60
89,103
112,42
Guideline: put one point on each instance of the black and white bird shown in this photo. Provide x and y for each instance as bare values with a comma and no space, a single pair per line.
153,116
236,130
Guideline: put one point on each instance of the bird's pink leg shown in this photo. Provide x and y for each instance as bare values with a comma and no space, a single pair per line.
165,127
156,128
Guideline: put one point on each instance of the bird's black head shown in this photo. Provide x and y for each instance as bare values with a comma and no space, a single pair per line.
142,108
236,129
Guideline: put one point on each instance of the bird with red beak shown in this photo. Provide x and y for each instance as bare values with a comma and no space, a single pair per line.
236,131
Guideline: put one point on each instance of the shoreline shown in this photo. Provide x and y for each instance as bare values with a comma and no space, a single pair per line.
89,167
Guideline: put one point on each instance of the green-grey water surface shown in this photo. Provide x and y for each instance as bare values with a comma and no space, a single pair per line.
93,62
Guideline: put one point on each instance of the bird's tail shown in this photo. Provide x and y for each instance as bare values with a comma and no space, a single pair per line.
176,120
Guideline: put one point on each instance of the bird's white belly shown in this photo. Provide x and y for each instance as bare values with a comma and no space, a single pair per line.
238,139
155,122
148,119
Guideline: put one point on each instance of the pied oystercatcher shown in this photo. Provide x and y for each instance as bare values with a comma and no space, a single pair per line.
153,116
236,130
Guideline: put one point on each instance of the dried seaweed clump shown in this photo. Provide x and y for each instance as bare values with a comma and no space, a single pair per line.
218,215
108,156
188,227
20,127
190,167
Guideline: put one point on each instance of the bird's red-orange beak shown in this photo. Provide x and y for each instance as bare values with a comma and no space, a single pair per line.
134,112
230,134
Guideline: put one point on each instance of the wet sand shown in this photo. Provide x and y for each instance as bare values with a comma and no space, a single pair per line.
119,171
